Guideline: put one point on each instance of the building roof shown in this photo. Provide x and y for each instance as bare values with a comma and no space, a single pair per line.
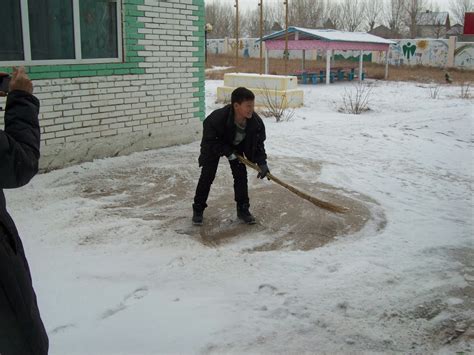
455,30
432,18
327,35
385,32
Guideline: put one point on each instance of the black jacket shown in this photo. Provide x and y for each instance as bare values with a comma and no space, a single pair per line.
21,328
19,147
219,132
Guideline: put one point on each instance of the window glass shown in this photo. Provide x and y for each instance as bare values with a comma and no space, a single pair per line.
51,29
11,36
98,28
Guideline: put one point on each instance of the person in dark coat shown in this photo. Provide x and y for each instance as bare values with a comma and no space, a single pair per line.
233,129
21,328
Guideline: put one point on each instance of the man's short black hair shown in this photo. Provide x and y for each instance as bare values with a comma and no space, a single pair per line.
242,94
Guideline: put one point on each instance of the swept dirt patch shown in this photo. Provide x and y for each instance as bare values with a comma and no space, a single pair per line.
285,221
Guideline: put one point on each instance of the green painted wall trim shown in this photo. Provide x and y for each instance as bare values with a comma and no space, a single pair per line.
199,63
365,58
131,60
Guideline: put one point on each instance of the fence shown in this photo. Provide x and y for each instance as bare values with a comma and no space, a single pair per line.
430,52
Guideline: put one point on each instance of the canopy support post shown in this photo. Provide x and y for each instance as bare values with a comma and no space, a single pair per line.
328,65
303,63
266,60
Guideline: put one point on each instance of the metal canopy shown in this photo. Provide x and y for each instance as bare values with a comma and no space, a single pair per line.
326,39
305,38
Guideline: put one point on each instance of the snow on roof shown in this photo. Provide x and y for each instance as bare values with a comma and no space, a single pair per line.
456,30
330,35
432,18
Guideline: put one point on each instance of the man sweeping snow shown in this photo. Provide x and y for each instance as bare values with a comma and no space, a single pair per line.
231,130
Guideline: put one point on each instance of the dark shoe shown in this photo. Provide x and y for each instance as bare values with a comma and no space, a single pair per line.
244,214
197,218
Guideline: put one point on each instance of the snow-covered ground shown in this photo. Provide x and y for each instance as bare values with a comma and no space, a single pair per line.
217,68
119,270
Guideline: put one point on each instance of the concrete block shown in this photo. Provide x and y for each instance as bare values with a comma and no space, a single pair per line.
284,99
264,81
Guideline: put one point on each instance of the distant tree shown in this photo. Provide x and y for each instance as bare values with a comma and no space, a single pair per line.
434,7
275,15
222,18
394,14
305,13
352,14
251,23
459,8
333,13
373,13
438,29
273,19
413,9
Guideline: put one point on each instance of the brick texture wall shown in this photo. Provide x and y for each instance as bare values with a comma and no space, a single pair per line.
154,98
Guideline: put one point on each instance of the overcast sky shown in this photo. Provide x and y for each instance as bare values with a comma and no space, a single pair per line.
244,4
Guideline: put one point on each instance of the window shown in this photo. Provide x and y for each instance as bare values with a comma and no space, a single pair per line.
98,29
60,31
51,29
11,47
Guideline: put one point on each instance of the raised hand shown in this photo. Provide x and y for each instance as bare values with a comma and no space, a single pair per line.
20,81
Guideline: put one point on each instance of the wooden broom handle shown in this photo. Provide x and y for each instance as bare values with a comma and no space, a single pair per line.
317,202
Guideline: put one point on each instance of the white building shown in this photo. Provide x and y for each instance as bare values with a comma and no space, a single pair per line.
112,77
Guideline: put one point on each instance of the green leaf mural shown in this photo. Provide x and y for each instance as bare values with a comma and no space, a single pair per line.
409,50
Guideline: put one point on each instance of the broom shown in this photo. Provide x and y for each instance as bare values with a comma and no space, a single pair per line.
315,201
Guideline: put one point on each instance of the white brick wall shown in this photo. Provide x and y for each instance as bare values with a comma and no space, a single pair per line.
107,112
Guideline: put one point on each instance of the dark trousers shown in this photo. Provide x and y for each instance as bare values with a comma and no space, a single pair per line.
21,328
208,173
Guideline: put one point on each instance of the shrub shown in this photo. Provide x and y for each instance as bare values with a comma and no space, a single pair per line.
277,107
356,100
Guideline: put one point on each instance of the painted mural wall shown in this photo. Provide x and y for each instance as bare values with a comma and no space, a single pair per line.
419,52
248,47
432,52
464,55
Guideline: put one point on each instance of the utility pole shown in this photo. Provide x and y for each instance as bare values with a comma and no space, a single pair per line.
261,36
286,54
236,33
207,29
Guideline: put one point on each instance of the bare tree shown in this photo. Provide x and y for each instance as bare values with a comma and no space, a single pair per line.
333,14
459,8
373,13
274,15
439,29
250,23
306,13
352,12
434,7
413,9
222,18
394,13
